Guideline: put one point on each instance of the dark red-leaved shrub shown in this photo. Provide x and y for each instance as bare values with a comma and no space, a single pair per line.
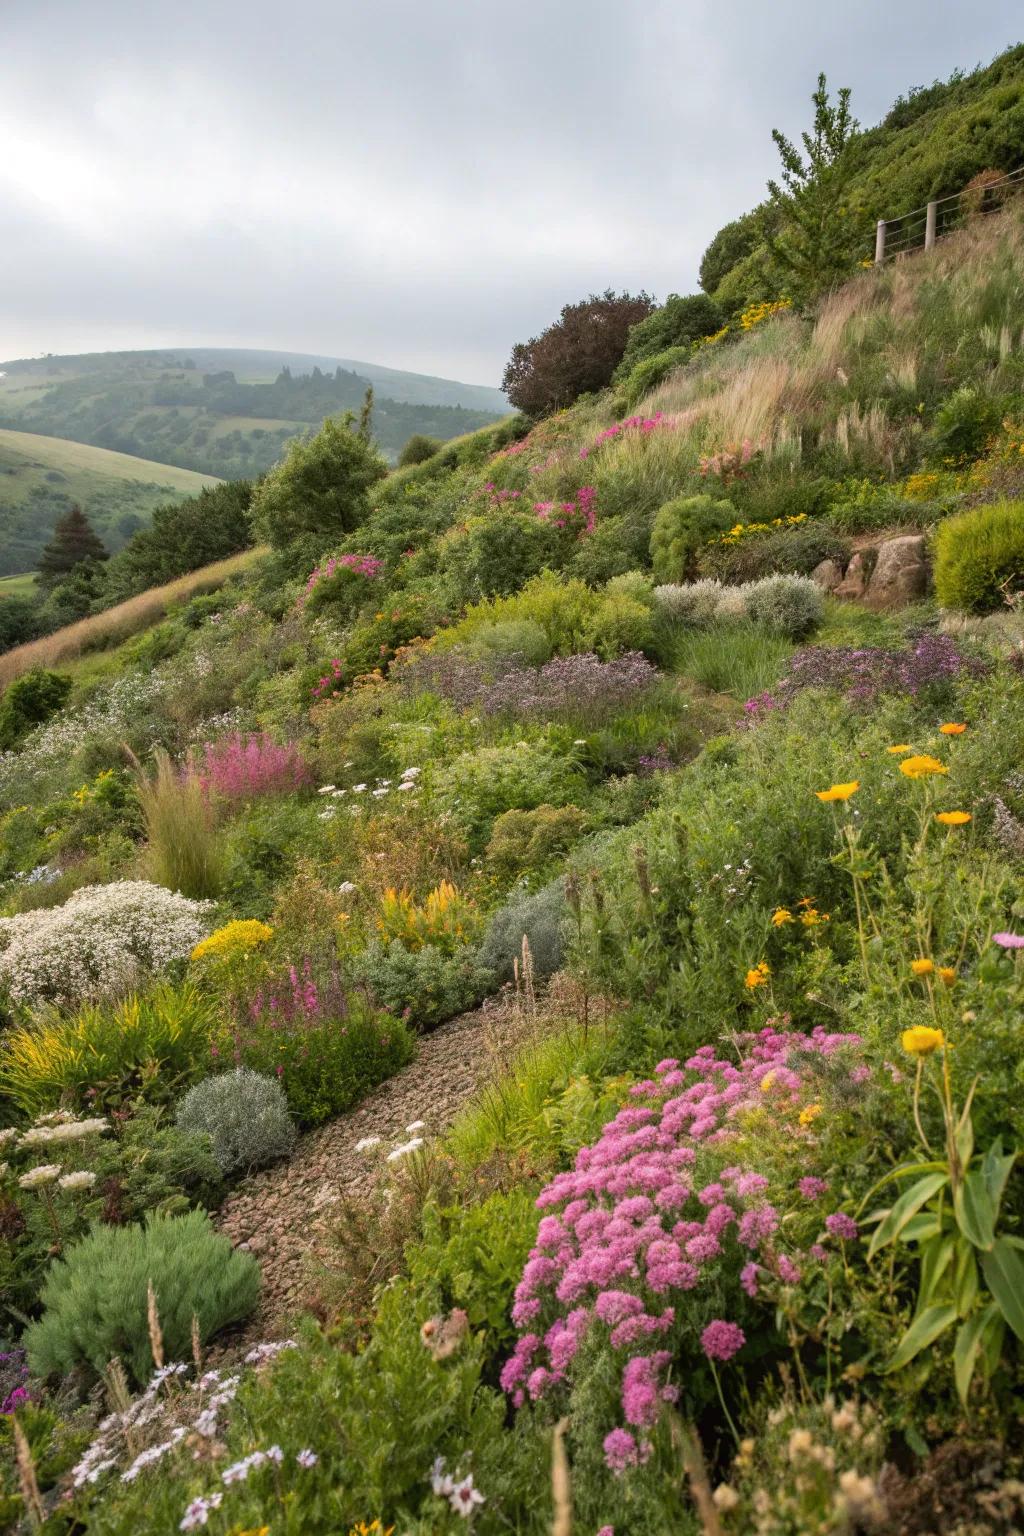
579,352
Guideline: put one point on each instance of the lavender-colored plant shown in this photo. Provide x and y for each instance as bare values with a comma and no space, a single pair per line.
863,674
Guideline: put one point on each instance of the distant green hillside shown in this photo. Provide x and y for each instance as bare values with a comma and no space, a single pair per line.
929,145
227,412
41,477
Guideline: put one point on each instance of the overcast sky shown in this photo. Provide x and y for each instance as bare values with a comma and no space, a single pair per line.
418,183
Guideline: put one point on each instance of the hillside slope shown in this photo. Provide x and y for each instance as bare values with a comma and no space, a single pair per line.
226,413
41,477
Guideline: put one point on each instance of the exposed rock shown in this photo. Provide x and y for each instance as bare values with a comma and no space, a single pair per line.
828,574
900,574
856,578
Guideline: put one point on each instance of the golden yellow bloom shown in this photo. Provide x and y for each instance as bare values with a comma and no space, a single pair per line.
922,967
953,818
920,767
767,1081
781,916
948,974
236,938
812,917
809,1113
901,746
839,791
758,976
952,728
922,1040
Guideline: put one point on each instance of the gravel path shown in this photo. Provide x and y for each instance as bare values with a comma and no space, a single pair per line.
282,1215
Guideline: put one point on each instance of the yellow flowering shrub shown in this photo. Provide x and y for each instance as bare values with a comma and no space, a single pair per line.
236,938
764,309
752,530
446,919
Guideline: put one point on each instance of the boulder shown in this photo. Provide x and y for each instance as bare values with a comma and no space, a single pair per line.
856,578
828,574
900,574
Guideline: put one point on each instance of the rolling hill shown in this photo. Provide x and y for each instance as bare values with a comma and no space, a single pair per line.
227,413
41,477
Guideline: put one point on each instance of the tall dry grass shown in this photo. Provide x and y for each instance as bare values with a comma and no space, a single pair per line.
102,630
184,851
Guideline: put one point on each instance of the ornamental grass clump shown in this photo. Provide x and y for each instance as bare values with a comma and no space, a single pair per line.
184,853
96,1299
657,1228
100,943
245,1114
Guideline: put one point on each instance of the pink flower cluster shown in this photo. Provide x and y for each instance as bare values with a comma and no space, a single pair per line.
332,681
241,767
564,513
360,565
499,495
644,424
731,461
648,1213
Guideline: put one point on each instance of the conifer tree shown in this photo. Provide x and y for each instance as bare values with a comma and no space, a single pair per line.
73,541
820,232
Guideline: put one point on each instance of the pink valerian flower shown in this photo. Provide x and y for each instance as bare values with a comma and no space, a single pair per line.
789,1273
641,1388
721,1340
565,514
367,566
621,1451
642,424
842,1226
627,1236
812,1188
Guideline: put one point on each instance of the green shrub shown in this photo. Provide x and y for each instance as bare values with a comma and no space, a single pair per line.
648,373
562,609
539,918
245,1116
318,492
788,550
963,425
681,528
476,787
682,319
149,1043
418,448
29,701
617,544
475,1255
621,623
500,552
515,637
979,557
785,605
155,1166
95,1297
422,987
524,841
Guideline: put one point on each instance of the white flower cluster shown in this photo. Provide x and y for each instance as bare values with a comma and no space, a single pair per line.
99,942
381,787
110,711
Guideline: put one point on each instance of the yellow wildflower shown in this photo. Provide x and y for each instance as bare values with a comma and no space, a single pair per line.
812,917
767,1081
809,1113
953,818
758,976
952,728
920,767
948,974
236,938
839,791
922,967
900,747
922,1040
781,916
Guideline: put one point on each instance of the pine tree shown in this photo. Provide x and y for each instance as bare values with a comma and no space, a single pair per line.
73,540
366,416
820,233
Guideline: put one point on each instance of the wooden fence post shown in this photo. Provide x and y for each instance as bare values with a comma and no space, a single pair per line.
929,226
880,242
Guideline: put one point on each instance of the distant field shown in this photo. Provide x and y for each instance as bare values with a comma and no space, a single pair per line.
104,630
41,477
18,586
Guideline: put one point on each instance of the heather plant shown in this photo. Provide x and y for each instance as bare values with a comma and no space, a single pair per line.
95,1299
104,1053
240,767
321,1043
245,1115
100,942
184,852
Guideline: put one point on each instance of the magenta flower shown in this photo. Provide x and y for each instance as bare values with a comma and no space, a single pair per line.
721,1340
842,1226
812,1188
1009,940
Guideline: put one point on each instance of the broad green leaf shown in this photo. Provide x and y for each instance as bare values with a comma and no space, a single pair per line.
904,1171
924,1330
965,1137
965,1350
935,1259
907,1206
922,1227
975,1213
995,1169
965,1279
1004,1276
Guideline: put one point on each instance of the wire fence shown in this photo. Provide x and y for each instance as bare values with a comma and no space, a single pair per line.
921,227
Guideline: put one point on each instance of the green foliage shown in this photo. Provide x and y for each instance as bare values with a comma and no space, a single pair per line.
539,917
154,1166
245,1114
979,557
577,354
648,373
681,529
621,623
319,492
791,606
524,842
95,1297
822,229
181,537
31,700
963,424
18,620
793,551
474,1257
422,987
737,659
476,787
501,551
418,448
74,542
184,850
679,321
149,1044
562,609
